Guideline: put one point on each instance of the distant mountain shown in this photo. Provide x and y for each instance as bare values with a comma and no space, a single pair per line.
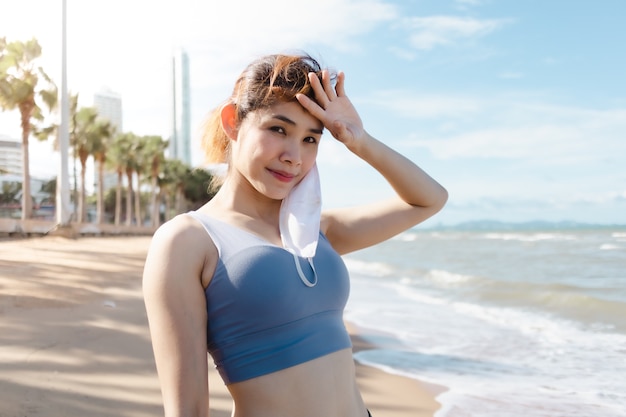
487,225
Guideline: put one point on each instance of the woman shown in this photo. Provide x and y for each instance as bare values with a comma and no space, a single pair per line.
255,275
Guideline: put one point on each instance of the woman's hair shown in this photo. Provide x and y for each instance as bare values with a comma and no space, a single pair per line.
266,81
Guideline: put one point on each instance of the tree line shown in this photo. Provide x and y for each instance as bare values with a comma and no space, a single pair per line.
136,160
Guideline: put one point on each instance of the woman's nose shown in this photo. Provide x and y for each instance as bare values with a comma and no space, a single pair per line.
292,153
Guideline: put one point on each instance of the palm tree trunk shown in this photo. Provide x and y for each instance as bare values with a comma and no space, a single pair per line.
81,201
138,219
129,197
179,199
100,192
26,110
118,198
159,201
168,205
154,204
75,191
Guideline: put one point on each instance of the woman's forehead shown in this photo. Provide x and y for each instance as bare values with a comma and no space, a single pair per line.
291,112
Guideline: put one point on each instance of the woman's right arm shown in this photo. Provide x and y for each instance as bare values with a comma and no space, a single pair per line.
176,308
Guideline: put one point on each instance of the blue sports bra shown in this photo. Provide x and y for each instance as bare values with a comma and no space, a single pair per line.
262,317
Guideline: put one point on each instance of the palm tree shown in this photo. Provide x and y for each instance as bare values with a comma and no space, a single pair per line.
167,177
155,155
104,132
181,175
80,139
10,192
115,161
135,167
20,81
122,158
140,165
44,131
88,138
172,182
72,132
197,187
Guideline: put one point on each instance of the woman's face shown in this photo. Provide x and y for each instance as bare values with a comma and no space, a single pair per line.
276,147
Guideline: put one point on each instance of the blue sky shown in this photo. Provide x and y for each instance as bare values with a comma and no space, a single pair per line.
517,107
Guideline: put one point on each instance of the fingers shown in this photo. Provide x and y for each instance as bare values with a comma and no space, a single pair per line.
310,105
340,87
320,93
324,90
328,87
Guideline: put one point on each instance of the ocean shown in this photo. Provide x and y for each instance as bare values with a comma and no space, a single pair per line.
513,323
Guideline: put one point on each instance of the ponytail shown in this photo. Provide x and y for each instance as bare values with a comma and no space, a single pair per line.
214,141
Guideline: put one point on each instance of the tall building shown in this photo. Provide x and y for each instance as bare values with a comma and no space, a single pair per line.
109,106
180,141
11,164
10,156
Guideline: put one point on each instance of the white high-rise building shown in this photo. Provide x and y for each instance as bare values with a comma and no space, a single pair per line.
11,164
180,141
10,156
109,105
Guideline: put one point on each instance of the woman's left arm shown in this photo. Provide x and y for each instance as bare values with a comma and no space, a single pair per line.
418,196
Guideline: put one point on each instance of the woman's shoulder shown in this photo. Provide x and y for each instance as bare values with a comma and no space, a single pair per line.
181,233
182,244
179,226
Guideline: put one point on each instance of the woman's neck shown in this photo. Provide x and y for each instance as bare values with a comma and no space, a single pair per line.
239,197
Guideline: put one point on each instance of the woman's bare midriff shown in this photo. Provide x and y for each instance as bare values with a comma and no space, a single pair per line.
324,386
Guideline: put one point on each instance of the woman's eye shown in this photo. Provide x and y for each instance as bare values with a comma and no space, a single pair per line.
310,139
277,129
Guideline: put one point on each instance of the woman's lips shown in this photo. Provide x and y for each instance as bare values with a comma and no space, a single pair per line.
282,176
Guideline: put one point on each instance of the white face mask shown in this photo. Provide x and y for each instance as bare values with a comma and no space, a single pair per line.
300,214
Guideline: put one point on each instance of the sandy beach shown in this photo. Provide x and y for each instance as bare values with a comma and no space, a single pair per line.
74,339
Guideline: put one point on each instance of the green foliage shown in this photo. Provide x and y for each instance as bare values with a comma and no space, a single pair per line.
109,200
123,153
20,85
21,79
10,192
196,187
154,152
49,187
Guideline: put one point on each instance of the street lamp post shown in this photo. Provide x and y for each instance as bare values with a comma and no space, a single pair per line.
63,184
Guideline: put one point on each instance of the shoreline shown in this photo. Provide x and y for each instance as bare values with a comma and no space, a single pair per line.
74,338
389,394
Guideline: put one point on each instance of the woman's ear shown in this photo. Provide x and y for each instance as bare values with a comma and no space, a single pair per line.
229,120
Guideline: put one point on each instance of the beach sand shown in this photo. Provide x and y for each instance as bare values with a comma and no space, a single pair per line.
74,339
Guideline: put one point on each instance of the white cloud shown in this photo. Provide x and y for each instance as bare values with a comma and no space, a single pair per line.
522,209
548,144
465,5
553,142
424,106
618,196
430,32
402,53
509,127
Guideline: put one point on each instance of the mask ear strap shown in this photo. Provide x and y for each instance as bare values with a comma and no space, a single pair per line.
303,277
